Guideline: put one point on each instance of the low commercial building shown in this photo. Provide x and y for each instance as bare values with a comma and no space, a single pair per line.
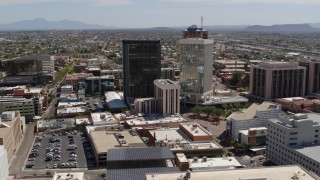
188,139
25,106
103,118
254,116
295,139
297,104
66,89
276,172
69,109
11,132
69,175
102,141
73,79
253,137
206,163
231,66
153,121
114,102
65,123
196,132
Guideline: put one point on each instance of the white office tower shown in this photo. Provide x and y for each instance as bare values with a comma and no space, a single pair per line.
295,140
4,167
167,94
196,57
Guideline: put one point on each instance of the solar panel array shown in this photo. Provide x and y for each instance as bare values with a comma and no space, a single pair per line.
131,154
137,174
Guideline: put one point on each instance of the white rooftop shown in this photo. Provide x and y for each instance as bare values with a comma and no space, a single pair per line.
69,176
103,118
275,172
114,101
195,129
216,163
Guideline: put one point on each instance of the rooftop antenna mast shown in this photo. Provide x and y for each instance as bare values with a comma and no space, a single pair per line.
201,27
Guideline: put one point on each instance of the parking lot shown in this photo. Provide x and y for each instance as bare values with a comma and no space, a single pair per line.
61,150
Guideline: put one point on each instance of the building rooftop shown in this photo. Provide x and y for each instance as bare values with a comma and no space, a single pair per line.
246,132
230,62
136,154
251,112
56,123
215,163
137,174
69,176
171,134
100,118
114,101
66,87
195,129
103,141
136,121
70,110
310,151
276,172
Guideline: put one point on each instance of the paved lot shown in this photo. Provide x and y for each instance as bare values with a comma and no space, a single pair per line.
40,162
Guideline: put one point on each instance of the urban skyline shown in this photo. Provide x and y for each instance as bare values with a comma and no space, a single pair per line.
163,12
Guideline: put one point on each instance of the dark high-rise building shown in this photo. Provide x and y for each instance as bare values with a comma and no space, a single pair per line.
141,66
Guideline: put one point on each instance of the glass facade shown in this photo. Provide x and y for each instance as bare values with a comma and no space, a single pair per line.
141,66
196,69
192,68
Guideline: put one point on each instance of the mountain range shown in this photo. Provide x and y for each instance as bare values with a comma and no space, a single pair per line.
42,24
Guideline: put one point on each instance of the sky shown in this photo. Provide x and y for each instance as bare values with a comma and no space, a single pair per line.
163,13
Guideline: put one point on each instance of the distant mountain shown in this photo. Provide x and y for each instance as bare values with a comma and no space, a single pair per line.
226,27
315,25
283,28
42,24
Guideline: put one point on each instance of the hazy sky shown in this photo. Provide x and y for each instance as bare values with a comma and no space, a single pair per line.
152,13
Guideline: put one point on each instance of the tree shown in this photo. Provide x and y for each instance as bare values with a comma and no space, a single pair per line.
197,110
103,175
236,79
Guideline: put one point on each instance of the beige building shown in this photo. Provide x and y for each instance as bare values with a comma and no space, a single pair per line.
272,80
102,140
167,94
313,75
11,131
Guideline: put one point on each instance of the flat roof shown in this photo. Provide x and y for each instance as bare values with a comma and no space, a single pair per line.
149,120
195,129
103,118
103,141
310,151
69,175
216,163
251,111
132,154
114,101
169,134
138,173
276,172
